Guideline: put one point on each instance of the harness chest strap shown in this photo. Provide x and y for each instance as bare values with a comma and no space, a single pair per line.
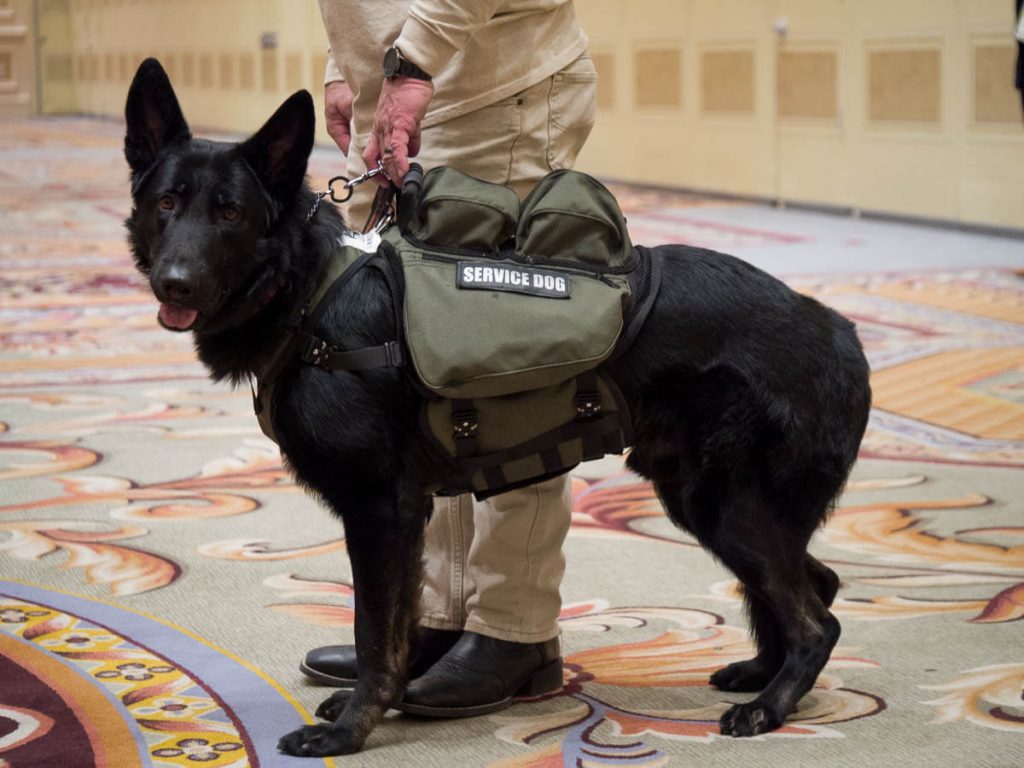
316,351
311,349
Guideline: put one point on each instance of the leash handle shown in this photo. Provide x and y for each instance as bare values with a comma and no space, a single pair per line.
381,212
409,197
390,205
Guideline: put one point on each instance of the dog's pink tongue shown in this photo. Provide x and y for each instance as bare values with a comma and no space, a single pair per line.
177,317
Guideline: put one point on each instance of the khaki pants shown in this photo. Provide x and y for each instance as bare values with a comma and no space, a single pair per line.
495,567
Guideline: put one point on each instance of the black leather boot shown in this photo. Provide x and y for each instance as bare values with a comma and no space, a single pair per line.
336,664
482,674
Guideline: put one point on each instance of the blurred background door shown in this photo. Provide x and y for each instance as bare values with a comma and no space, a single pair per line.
53,55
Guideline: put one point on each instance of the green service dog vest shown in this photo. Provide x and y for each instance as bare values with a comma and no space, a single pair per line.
507,311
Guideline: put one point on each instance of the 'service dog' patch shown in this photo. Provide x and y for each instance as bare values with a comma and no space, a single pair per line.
546,283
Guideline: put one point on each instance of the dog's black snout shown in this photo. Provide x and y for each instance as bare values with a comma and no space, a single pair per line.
177,284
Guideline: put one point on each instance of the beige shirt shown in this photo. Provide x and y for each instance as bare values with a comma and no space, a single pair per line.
478,51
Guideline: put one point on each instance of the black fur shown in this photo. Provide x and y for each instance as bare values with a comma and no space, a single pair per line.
749,401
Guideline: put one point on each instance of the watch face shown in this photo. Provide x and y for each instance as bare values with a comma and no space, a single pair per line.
391,62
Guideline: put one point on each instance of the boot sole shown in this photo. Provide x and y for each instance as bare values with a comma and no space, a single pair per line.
545,680
323,678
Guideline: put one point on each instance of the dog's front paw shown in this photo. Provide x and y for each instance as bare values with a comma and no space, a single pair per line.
331,707
749,720
318,741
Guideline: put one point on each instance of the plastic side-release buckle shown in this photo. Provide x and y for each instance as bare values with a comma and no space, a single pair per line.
588,405
465,424
315,351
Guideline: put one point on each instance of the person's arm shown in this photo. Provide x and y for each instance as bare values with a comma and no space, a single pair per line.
438,29
435,31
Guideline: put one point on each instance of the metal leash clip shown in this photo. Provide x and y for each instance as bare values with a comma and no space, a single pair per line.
348,187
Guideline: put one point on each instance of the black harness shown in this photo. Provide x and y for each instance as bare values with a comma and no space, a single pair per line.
299,339
598,427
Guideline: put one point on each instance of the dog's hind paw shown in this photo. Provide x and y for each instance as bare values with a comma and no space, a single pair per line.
749,720
318,741
331,707
743,677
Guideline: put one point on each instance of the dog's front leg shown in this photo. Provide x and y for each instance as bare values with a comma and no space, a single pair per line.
386,552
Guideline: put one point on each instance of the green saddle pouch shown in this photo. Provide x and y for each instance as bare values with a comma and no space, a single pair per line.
501,298
571,220
507,309
494,444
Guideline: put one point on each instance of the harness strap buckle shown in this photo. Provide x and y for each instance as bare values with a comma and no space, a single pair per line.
588,405
465,424
315,352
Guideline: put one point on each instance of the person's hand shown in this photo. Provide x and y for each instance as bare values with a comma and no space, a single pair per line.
338,113
396,126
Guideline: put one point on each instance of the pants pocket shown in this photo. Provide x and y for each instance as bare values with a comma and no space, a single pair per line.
572,109
479,143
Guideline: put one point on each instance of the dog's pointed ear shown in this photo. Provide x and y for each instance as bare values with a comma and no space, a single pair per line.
152,116
279,151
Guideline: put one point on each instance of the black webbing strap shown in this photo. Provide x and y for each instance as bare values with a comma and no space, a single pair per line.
588,407
465,423
594,429
316,351
495,477
321,303
639,311
551,460
588,396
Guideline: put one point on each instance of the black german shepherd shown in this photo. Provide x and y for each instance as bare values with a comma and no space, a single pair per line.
749,401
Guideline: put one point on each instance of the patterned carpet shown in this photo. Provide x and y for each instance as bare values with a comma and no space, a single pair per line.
162,577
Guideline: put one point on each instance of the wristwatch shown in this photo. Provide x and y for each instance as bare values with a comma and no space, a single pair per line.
396,65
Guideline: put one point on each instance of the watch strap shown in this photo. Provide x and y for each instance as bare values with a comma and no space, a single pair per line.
400,66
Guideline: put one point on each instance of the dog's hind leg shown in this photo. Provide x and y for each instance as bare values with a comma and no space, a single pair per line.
794,630
823,579
386,554
755,674
808,640
803,632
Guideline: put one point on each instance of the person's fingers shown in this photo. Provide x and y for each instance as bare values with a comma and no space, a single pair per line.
341,133
372,151
394,155
396,130
414,142
338,113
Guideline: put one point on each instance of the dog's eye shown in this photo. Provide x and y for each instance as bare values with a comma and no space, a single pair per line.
230,213
166,202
